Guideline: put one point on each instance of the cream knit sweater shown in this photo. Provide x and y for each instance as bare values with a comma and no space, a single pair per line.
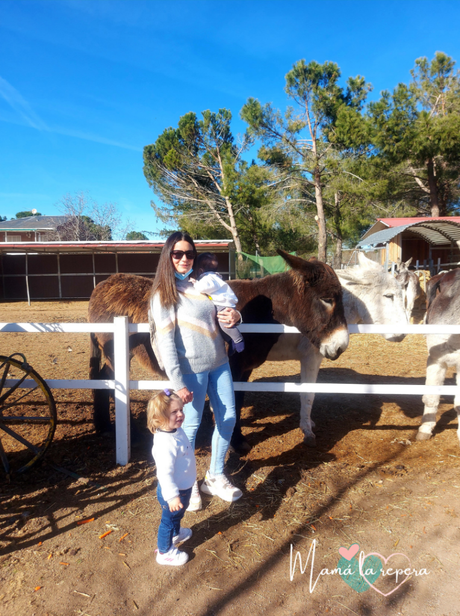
186,339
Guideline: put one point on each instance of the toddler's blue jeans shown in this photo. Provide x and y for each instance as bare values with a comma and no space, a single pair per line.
170,520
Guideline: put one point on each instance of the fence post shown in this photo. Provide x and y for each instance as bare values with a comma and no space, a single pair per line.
122,409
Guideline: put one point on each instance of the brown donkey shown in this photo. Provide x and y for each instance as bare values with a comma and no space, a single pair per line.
309,297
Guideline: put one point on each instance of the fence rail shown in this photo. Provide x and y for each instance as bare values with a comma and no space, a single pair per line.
121,384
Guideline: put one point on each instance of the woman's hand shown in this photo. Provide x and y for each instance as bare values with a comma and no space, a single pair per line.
229,317
185,395
175,504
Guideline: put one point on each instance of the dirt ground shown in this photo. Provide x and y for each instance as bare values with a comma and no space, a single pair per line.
367,482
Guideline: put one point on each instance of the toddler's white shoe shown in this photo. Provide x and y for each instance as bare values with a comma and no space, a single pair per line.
195,503
219,485
172,557
184,535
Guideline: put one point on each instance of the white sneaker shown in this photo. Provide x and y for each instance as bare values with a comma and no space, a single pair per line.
219,485
184,535
195,503
173,557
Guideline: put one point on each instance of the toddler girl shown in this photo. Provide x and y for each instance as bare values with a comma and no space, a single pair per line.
176,473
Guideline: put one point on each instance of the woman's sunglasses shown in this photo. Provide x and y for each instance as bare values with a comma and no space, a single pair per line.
178,254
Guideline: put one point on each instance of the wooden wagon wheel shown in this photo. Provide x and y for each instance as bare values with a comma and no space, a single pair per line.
27,415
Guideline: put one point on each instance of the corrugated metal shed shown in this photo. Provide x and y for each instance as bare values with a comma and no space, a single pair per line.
71,270
437,232
384,223
381,237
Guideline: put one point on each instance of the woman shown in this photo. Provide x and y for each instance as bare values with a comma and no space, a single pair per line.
187,341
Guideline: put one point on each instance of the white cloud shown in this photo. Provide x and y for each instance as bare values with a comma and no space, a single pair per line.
69,132
28,117
20,105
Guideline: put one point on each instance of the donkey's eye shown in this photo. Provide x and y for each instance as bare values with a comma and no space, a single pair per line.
390,296
328,302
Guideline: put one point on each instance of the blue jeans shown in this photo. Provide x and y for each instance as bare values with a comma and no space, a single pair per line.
218,384
170,520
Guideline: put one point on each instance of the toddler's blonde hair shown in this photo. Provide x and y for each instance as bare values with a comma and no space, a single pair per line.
158,409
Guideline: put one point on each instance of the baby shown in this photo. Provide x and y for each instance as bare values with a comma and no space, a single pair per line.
209,282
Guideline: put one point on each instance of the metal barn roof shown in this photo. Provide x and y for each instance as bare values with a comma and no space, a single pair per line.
33,223
110,246
384,223
437,232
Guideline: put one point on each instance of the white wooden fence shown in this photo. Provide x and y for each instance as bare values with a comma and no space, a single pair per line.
122,384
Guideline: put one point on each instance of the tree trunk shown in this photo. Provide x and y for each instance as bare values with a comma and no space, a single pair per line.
235,234
434,201
236,239
322,237
254,233
337,258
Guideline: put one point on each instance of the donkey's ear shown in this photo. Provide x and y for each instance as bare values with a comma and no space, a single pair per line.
354,277
296,262
407,263
366,263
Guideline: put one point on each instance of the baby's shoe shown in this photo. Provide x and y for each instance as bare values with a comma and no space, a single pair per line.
172,557
238,346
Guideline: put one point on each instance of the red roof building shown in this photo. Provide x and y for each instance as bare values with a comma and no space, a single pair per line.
430,242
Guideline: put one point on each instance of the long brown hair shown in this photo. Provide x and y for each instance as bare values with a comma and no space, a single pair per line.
165,282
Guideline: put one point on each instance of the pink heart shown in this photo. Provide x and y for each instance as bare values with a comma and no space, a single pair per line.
362,558
348,554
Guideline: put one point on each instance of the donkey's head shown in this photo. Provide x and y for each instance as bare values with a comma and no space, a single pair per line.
373,296
402,272
314,305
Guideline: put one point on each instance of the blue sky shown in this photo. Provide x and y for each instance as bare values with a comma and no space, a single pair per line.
86,84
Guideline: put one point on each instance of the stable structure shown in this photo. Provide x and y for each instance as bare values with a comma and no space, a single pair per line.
71,270
433,243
